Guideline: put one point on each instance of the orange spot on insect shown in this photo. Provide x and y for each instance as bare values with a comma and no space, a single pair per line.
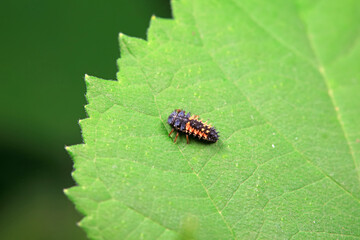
188,126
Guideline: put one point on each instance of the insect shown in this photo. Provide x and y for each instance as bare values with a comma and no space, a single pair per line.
191,125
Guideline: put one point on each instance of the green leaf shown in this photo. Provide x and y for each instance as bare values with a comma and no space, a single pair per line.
279,79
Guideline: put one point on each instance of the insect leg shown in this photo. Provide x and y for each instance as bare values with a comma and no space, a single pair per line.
176,137
171,131
187,139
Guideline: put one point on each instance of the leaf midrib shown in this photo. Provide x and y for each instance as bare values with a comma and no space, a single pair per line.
322,71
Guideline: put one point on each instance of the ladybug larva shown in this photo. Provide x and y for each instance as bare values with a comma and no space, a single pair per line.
191,125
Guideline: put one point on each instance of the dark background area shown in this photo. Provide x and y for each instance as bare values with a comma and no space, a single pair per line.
46,49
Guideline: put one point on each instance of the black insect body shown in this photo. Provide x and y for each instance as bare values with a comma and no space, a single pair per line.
191,125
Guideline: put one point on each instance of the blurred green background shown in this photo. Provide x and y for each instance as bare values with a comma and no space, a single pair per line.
46,48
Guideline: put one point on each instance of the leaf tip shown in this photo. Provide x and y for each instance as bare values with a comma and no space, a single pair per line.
89,79
69,150
66,191
153,17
